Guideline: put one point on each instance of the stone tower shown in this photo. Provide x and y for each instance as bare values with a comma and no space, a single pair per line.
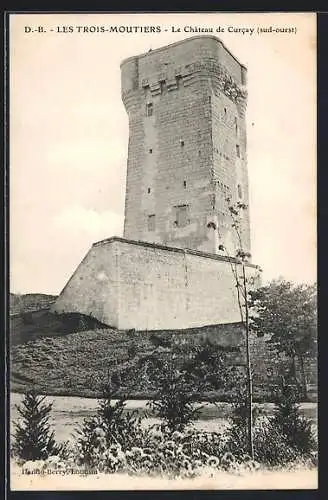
187,145
187,154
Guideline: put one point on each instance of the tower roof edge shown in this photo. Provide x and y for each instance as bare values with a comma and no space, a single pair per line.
179,42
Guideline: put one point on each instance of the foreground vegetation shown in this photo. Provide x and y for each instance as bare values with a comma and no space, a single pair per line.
113,441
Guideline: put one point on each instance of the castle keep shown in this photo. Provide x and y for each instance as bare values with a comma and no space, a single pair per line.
187,145
187,154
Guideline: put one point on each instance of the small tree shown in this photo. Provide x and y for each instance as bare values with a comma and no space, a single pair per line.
119,424
180,376
175,393
33,437
288,314
111,425
289,421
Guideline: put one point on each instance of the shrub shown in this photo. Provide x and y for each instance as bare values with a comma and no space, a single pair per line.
111,426
132,351
270,445
174,399
279,440
179,378
166,453
237,433
33,437
175,406
159,341
289,421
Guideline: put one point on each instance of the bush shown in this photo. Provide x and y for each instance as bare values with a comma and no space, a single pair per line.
33,438
279,440
174,399
163,452
270,445
294,427
237,439
179,378
175,406
111,426
132,351
159,341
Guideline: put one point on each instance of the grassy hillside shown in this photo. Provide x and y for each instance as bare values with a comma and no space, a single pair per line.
29,302
28,326
73,354
72,364
77,363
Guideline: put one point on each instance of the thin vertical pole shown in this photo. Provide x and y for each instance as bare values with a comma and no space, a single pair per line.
249,372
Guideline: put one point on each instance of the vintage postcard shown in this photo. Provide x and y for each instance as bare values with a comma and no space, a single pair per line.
163,251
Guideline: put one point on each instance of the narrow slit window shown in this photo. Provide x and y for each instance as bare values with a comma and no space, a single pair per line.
182,216
238,150
236,125
181,143
184,184
151,222
149,109
150,151
148,190
240,193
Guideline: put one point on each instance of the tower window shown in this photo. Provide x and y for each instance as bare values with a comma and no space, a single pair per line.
182,216
184,184
149,109
150,151
238,150
148,190
151,222
240,193
181,143
225,111
236,125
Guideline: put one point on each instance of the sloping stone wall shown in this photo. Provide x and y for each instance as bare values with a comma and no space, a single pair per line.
128,284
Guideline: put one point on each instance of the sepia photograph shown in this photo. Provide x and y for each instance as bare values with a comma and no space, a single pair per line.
162,271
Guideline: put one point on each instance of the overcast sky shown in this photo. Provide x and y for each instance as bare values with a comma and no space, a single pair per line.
69,138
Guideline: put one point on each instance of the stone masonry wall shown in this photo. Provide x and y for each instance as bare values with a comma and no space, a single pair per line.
183,151
143,286
93,288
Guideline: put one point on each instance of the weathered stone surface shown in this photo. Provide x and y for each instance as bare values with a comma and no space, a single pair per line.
128,284
187,144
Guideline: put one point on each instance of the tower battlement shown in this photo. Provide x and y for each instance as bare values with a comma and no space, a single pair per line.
154,63
187,145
